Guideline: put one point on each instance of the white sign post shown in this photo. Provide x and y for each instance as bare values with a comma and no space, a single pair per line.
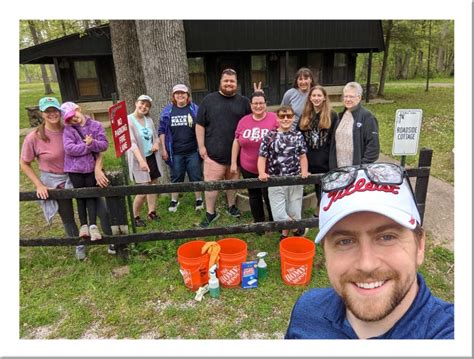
407,133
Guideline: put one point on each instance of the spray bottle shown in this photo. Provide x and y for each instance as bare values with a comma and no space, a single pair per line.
214,289
262,266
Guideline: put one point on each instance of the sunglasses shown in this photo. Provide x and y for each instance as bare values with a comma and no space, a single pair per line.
379,173
286,115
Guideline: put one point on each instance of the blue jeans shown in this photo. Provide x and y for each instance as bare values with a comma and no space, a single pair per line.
190,164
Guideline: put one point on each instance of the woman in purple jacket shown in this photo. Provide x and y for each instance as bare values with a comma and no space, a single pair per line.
83,139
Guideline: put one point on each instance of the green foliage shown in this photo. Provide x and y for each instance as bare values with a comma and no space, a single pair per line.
408,52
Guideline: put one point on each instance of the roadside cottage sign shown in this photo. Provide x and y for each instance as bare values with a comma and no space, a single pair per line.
407,132
120,129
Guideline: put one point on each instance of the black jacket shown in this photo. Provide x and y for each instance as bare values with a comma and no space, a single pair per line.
365,134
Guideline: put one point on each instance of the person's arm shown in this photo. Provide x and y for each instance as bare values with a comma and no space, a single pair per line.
164,152
261,164
100,177
304,165
71,147
200,135
99,142
41,189
371,141
234,156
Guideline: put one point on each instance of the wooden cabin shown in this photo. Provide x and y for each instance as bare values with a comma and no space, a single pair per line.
259,50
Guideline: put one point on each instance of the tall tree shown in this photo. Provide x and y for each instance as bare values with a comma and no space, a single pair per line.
383,72
34,34
164,61
127,61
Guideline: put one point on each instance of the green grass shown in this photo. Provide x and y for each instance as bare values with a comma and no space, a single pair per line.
63,298
437,129
30,95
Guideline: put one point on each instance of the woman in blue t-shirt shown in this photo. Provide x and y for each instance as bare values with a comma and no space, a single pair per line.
179,147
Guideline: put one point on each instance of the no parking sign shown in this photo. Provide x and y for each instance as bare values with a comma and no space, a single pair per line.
407,132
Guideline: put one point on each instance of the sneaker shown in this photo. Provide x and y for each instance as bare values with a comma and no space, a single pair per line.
95,234
233,211
139,222
84,231
152,216
81,253
300,232
282,237
173,207
111,249
199,205
208,219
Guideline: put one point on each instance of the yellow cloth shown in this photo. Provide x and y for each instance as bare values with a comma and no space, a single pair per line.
213,248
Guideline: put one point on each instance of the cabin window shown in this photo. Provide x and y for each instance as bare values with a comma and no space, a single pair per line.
197,74
315,64
259,70
87,81
292,68
340,68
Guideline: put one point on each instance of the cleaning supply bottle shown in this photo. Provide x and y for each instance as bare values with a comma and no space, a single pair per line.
262,266
214,289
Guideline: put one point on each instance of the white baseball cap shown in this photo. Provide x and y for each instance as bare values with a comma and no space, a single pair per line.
393,201
144,98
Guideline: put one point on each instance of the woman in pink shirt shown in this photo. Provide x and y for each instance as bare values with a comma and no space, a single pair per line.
45,144
248,137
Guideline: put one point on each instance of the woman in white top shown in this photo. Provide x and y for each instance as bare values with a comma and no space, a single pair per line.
143,157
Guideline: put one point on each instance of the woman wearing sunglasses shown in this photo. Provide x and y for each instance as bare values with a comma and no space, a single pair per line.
356,137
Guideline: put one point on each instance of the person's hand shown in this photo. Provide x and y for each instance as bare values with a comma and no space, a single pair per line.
155,147
304,174
144,166
42,192
233,168
101,179
263,177
203,152
257,87
164,155
88,139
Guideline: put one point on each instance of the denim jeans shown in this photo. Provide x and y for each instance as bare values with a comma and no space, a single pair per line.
190,164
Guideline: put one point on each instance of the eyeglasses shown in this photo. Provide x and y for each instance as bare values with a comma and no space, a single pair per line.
350,97
286,115
257,103
378,173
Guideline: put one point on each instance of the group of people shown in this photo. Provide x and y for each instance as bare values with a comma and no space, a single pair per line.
226,136
370,227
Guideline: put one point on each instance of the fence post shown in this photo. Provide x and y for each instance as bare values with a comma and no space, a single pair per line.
118,213
421,187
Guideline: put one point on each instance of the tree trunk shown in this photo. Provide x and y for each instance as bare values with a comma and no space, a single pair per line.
34,34
27,74
406,64
418,63
127,61
52,71
164,61
383,72
63,27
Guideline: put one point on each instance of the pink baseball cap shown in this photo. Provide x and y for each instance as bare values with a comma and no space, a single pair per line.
68,110
180,87
393,201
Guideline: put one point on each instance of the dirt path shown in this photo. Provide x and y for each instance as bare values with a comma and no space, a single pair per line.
439,211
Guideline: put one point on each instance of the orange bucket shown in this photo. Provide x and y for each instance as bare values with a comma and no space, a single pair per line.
296,260
194,266
233,253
